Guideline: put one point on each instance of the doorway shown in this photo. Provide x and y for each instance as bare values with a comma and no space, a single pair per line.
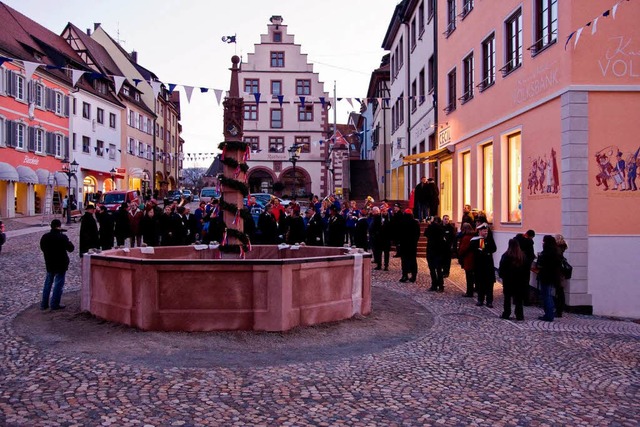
446,187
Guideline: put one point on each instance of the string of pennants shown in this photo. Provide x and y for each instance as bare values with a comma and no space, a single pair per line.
593,24
156,86
337,139
160,156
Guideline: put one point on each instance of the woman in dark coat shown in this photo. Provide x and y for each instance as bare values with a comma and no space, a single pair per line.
105,219
149,227
465,256
483,247
512,267
89,237
409,236
123,228
548,266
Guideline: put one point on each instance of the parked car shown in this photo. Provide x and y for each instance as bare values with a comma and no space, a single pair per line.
256,210
208,193
173,196
112,200
195,198
187,195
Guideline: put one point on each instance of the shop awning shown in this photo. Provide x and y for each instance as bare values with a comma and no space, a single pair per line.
138,173
43,176
8,172
27,175
427,156
61,179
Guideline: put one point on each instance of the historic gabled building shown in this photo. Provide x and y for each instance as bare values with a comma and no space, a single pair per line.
377,92
153,150
539,102
96,117
410,41
34,112
285,106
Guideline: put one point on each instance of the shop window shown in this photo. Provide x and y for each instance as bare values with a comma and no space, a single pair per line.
487,180
514,178
466,178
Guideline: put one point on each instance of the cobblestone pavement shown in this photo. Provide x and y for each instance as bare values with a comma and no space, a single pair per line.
468,368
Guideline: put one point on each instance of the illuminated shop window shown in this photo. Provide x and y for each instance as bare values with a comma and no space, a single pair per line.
466,178
487,176
514,178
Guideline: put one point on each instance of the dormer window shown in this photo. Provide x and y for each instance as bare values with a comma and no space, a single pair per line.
277,37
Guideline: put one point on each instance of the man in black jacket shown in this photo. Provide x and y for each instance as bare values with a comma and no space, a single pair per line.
55,245
525,240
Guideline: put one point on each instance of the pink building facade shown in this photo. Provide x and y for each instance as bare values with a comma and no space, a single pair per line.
285,105
544,137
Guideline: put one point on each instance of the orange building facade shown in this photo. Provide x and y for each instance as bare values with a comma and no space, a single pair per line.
544,137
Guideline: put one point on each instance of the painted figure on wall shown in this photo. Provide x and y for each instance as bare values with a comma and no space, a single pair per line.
619,174
544,177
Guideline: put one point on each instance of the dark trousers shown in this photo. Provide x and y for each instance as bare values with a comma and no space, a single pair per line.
470,281
409,265
513,293
435,270
485,290
446,264
378,252
560,301
422,211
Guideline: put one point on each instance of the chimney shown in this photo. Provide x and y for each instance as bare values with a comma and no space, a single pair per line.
96,25
134,56
88,31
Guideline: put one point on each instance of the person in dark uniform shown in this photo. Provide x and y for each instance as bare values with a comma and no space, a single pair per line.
268,226
525,241
409,236
483,247
336,228
315,228
89,236
436,246
107,233
55,245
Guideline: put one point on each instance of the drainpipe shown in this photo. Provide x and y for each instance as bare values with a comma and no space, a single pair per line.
435,85
153,161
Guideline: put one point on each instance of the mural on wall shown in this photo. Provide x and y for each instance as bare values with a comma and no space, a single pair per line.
543,175
617,170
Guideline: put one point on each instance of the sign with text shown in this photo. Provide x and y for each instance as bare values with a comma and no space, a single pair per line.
444,137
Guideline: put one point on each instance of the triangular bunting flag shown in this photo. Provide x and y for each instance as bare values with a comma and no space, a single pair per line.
568,38
204,89
322,101
379,101
301,101
75,76
136,82
188,90
155,86
53,67
339,139
606,13
256,95
30,68
119,81
595,25
349,101
172,87
280,99
218,93
577,36
614,9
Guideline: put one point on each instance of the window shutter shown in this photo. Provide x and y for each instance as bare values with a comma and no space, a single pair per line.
31,135
65,149
11,134
50,99
66,106
50,138
11,83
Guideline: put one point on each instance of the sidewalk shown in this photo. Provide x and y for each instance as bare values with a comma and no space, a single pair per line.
21,225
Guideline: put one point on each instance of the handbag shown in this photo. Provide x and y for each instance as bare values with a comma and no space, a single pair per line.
566,269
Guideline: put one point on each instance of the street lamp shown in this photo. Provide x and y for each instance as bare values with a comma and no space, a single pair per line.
70,170
294,156
113,177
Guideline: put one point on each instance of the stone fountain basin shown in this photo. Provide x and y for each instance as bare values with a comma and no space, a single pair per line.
181,288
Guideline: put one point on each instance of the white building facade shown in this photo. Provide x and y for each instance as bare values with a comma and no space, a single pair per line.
285,106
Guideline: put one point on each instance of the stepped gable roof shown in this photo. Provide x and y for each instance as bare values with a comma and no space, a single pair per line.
25,39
